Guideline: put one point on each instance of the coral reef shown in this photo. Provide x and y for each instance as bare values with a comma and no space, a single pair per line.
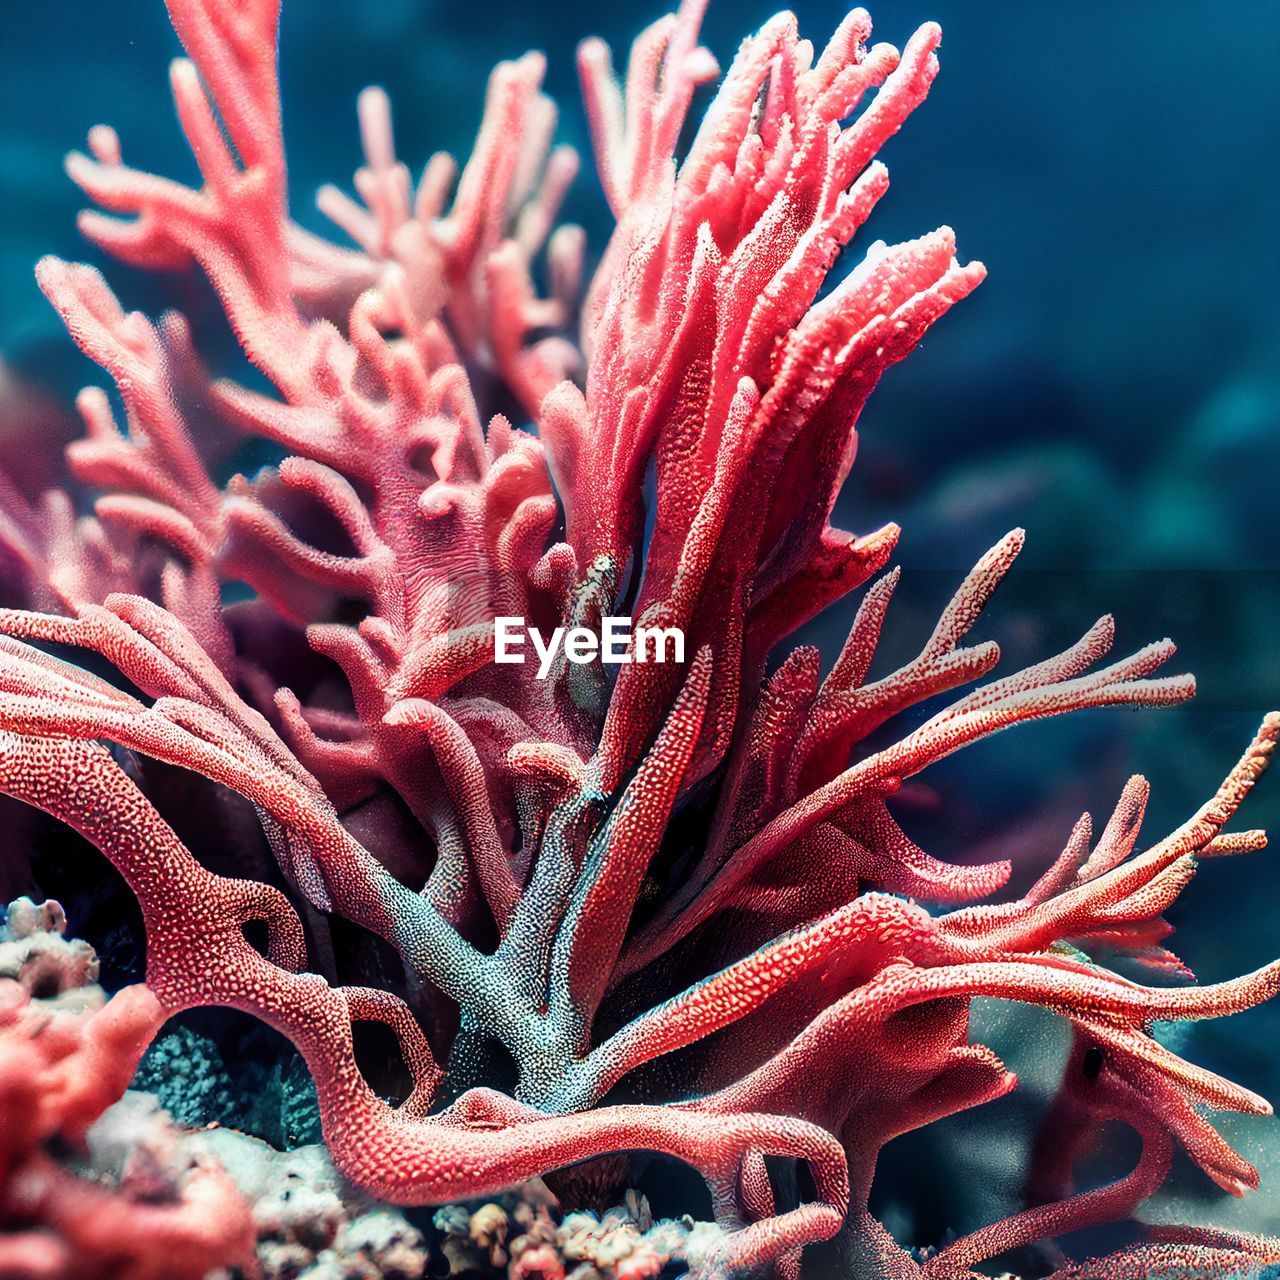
62,1065
671,911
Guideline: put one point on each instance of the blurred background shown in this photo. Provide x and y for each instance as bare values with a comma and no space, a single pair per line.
1114,387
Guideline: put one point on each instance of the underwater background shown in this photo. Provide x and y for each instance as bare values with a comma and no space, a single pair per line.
1114,387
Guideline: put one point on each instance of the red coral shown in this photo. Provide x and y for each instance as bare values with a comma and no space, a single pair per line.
612,880
58,1073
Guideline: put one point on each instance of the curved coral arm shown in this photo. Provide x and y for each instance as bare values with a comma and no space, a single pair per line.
1172,1253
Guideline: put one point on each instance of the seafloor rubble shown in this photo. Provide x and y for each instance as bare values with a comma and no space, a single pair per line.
227,1203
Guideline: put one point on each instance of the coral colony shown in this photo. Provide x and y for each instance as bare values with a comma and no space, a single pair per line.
663,907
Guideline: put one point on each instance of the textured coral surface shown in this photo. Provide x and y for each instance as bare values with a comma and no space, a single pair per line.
667,909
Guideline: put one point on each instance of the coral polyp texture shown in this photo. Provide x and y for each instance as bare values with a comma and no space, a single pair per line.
662,908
